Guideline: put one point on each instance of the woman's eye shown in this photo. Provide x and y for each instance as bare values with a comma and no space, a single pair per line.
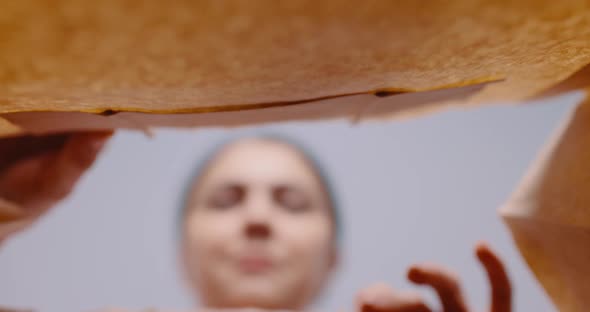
226,197
291,199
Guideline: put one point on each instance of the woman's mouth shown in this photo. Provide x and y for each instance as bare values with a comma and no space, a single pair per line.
254,264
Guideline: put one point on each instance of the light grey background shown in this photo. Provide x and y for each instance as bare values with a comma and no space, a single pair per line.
412,191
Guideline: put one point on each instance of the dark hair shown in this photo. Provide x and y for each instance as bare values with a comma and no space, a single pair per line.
202,166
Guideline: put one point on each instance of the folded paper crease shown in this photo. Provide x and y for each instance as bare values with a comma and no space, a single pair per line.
549,214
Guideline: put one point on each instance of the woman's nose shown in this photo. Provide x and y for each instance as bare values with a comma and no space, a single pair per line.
258,223
258,230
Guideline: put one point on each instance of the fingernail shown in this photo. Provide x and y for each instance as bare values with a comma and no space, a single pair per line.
371,304
481,244
368,299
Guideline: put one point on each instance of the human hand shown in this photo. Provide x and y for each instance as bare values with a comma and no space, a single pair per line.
383,298
36,172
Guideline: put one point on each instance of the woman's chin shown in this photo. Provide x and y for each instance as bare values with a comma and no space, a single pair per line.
257,296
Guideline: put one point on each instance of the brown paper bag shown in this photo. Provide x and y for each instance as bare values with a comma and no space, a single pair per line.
77,64
549,214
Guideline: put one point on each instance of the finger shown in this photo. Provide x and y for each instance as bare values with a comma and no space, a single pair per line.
15,149
19,183
501,289
65,168
382,298
444,282
10,211
36,183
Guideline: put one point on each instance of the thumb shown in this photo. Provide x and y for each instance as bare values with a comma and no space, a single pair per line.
64,169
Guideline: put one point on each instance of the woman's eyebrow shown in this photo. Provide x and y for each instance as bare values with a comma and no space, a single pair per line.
291,185
215,184
308,190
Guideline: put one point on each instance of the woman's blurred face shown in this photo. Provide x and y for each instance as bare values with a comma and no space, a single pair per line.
259,230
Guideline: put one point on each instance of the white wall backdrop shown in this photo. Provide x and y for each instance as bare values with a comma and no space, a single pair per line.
411,191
